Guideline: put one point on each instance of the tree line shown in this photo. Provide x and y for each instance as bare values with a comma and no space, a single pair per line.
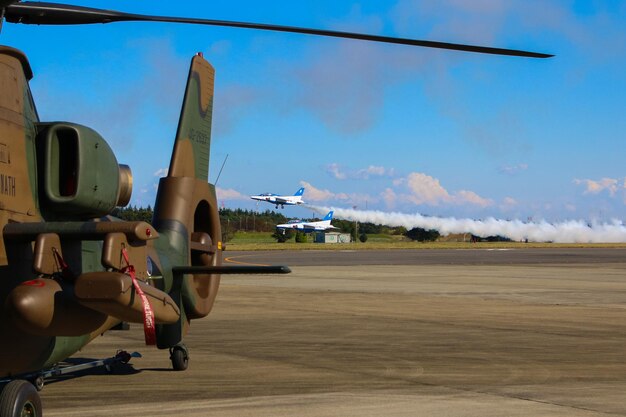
234,220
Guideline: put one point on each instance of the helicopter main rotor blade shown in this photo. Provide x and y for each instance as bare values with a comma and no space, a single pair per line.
4,3
59,14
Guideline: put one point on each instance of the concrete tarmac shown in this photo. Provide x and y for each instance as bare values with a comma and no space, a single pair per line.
488,338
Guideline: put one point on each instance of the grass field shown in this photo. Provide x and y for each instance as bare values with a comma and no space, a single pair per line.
252,237
264,241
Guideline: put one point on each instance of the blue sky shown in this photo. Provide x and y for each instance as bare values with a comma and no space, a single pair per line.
382,127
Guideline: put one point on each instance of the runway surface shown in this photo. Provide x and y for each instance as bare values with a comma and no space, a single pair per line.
432,257
401,333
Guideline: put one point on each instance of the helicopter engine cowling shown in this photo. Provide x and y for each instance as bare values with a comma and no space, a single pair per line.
78,173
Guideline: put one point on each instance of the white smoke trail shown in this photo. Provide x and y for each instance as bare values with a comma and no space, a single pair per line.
563,232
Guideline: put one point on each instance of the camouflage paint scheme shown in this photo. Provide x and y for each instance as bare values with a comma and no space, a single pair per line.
186,210
54,203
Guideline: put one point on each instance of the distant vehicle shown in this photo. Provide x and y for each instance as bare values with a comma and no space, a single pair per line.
281,200
308,227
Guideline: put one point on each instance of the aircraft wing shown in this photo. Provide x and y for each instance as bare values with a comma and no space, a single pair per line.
281,200
331,227
289,226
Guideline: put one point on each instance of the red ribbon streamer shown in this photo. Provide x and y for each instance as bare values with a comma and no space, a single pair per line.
149,329
65,269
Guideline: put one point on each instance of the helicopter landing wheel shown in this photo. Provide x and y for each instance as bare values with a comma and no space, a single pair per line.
19,398
179,357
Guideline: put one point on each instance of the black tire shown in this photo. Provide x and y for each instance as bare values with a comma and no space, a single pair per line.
19,398
179,358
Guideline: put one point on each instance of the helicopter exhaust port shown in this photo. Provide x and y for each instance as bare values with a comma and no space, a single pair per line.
79,176
126,186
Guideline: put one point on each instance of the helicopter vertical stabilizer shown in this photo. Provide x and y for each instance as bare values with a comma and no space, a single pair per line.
186,210
193,138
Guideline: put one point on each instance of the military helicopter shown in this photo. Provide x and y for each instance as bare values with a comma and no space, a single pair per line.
69,270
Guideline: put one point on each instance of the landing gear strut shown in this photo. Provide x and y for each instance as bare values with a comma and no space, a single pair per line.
179,357
19,398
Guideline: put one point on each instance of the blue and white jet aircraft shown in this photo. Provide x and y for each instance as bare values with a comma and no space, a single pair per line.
308,227
281,200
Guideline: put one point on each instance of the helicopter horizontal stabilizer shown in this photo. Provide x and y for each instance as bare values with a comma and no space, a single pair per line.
232,269
133,230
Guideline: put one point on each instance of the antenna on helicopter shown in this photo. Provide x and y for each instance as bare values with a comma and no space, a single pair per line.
220,173
1,18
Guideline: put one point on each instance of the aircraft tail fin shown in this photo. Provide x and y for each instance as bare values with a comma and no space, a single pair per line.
186,209
193,137
329,216
300,192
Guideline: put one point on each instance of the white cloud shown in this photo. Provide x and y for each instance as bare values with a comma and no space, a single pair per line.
336,171
398,181
610,185
464,196
375,171
389,197
161,172
317,194
508,204
229,194
513,169
509,201
424,189
314,194
351,71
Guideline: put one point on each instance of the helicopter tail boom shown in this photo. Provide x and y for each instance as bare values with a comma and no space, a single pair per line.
185,210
